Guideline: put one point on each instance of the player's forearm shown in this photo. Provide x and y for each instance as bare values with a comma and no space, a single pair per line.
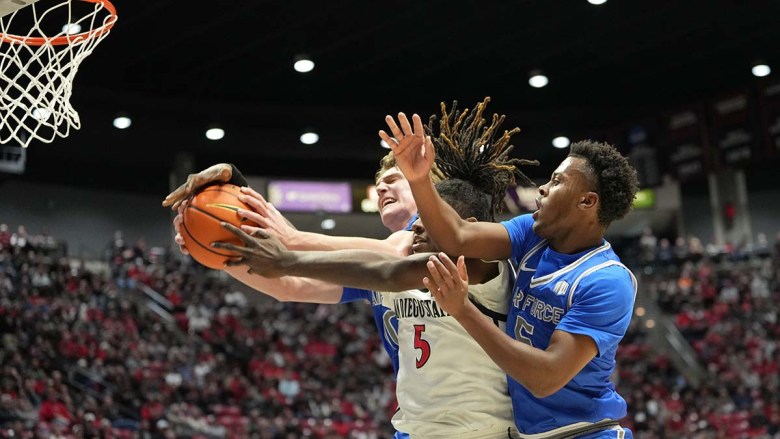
534,368
357,268
318,241
288,288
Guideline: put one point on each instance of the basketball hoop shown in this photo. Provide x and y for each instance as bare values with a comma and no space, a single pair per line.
38,64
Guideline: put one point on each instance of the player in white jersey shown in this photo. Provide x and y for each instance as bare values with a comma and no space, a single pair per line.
436,399
573,299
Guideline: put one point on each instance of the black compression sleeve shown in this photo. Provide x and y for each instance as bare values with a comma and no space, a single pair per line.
237,178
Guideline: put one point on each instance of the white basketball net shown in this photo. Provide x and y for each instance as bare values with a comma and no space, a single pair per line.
37,66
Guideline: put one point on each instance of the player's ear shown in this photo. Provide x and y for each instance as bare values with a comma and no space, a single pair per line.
588,200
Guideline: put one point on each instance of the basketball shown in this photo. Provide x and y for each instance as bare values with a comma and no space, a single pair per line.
201,223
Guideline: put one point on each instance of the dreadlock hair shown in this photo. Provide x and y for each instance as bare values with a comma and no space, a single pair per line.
615,179
388,162
467,149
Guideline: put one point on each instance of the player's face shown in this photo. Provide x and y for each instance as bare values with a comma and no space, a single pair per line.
557,212
421,242
396,203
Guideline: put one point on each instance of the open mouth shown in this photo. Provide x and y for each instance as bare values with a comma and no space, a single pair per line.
538,208
417,244
387,201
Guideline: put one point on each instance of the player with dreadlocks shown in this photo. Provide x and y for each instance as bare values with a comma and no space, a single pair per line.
447,386
469,149
572,300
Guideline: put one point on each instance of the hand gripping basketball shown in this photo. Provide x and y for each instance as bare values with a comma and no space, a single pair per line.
219,173
201,221
262,253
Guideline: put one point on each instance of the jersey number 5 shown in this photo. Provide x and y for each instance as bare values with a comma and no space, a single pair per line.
422,345
523,331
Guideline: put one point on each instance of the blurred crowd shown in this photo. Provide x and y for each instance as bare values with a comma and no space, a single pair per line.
86,353
146,344
724,301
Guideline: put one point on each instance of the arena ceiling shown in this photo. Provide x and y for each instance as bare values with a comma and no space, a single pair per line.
177,67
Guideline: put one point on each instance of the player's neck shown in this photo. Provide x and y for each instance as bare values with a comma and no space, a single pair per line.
577,240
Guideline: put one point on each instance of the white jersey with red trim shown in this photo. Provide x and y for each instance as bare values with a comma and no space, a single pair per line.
448,387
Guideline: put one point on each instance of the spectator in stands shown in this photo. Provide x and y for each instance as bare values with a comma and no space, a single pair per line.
680,250
665,252
762,248
289,386
5,236
20,239
648,244
695,249
777,245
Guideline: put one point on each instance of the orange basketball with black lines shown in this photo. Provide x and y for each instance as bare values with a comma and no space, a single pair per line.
201,226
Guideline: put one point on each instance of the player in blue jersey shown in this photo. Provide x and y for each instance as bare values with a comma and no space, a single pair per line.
397,211
572,300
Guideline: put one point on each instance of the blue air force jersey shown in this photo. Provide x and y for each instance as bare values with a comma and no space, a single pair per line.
590,293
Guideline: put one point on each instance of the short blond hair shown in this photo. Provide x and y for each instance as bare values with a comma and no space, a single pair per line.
388,162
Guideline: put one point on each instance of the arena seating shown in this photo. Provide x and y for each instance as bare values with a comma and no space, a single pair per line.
86,353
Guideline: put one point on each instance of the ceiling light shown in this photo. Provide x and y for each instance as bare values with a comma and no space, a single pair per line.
384,144
309,138
303,64
537,80
215,133
597,2
122,121
71,28
328,224
561,142
760,70
41,114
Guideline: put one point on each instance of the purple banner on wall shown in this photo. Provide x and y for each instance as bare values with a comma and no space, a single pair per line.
310,196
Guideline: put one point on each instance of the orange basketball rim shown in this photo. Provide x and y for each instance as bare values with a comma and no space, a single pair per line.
107,24
42,43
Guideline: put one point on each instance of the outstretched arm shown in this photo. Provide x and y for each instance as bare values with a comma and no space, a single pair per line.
542,372
284,289
265,255
289,288
415,156
272,221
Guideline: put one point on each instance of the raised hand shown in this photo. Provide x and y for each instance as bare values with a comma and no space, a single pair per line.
448,283
413,150
221,172
262,253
